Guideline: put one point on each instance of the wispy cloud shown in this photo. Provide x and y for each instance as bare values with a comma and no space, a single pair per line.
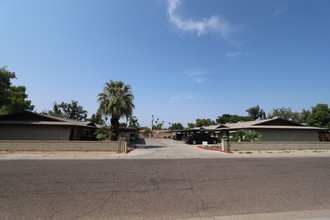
233,54
200,80
280,11
215,24
196,73
198,76
181,97
188,96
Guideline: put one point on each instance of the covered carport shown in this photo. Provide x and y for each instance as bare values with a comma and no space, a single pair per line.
213,132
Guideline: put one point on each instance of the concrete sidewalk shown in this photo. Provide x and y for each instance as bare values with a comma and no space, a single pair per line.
157,149
298,215
138,155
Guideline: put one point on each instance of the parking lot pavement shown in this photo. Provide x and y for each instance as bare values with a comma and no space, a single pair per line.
171,149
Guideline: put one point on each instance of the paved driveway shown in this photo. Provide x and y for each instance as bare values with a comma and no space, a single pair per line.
171,149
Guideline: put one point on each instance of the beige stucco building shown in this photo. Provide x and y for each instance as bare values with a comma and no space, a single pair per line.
33,126
276,129
287,134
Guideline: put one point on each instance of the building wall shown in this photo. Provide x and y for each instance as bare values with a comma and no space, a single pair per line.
278,146
324,137
38,145
288,135
155,135
78,132
34,132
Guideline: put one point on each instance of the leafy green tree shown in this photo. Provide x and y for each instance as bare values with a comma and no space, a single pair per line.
97,119
204,122
228,118
304,116
176,126
201,123
12,98
69,110
116,101
285,113
256,113
102,133
5,84
320,116
191,125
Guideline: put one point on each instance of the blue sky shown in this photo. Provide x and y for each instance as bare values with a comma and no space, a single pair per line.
185,59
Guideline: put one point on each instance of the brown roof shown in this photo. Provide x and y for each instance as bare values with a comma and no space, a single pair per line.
276,123
210,127
32,118
159,131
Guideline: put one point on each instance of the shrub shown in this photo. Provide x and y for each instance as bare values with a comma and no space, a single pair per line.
102,133
234,138
247,135
146,131
251,135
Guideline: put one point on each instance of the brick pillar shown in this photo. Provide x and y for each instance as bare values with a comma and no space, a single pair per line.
224,144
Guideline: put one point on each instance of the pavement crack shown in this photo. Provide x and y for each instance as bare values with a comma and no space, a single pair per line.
96,208
154,182
201,206
319,203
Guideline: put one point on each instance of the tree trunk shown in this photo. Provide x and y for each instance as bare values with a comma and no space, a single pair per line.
114,129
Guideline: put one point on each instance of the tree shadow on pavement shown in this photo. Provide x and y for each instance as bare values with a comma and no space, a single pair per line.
139,141
141,144
148,146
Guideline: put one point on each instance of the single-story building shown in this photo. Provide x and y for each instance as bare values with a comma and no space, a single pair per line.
276,129
155,133
33,126
132,132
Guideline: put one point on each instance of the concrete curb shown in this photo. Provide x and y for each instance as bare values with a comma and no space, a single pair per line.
201,147
131,149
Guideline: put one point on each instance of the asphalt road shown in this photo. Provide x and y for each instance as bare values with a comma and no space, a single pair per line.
161,189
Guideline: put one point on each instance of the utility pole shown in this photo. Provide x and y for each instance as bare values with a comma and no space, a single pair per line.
152,124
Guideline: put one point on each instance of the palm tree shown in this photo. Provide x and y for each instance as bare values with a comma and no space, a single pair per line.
116,101
133,122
